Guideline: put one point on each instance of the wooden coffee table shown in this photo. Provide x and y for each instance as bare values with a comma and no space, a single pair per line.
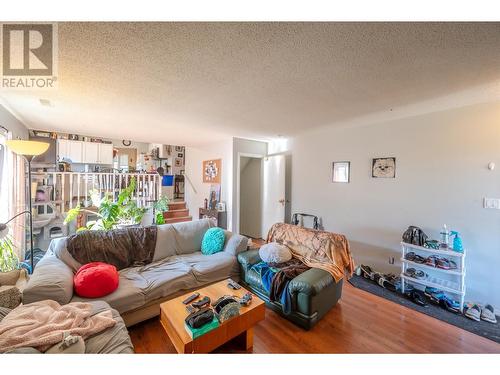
173,314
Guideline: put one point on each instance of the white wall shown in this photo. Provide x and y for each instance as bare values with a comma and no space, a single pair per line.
10,122
250,197
441,177
196,191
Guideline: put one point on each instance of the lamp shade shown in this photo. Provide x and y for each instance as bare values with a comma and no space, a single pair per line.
27,148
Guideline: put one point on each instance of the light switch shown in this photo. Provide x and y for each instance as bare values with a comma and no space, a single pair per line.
491,203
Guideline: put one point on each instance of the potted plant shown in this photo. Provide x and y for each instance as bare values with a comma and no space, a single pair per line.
123,212
9,261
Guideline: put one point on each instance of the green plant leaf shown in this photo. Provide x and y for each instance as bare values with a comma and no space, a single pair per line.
161,205
72,214
9,260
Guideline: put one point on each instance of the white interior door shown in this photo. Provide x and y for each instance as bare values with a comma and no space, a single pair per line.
273,192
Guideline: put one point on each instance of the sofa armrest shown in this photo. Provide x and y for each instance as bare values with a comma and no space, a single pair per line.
311,282
235,243
249,258
52,279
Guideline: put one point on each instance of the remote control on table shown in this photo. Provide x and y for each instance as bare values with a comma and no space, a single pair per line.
202,302
190,309
233,285
191,298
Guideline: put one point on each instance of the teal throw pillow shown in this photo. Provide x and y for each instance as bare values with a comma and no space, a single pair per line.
213,241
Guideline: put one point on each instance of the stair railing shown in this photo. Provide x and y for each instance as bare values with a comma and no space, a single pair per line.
190,183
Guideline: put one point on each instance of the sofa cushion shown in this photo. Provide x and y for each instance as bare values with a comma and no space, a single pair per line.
166,277
234,244
114,340
211,268
95,280
213,241
52,279
165,242
273,252
128,296
179,238
188,235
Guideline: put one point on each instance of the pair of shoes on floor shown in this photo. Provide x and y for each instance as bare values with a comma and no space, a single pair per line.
415,295
477,313
438,297
387,281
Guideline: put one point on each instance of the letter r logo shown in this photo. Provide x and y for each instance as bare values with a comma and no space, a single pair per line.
27,49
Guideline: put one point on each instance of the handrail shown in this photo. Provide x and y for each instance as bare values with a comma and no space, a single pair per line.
70,187
190,183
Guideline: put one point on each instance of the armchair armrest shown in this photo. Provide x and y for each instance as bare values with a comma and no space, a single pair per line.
249,258
311,282
235,243
52,279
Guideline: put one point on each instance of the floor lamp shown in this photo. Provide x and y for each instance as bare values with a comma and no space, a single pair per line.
28,149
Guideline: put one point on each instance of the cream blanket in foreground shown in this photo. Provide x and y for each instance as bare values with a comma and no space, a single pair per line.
42,324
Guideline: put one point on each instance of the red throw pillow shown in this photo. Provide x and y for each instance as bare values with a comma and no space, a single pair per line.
96,279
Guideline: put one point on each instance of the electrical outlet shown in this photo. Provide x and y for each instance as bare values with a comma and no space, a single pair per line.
493,203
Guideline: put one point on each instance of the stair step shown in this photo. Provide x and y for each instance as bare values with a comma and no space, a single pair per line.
176,213
172,206
172,220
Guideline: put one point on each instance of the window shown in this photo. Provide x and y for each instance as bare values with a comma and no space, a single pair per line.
4,192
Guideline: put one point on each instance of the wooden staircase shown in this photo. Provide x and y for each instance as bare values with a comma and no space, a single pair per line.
177,212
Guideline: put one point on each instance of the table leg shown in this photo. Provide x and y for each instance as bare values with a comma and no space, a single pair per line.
246,339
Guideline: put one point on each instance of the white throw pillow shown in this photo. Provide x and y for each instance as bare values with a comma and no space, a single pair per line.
273,252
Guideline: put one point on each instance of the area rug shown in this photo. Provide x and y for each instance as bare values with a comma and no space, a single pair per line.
484,329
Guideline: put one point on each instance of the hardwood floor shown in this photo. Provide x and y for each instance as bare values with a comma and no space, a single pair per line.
360,323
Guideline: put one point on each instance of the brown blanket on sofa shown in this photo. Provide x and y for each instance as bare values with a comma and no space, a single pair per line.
315,248
287,271
123,248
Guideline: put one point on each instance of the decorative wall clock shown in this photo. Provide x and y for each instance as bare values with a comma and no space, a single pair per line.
212,171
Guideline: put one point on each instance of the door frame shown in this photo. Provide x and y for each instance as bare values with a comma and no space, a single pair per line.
238,176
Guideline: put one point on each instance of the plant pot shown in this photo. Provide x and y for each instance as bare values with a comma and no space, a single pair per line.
9,278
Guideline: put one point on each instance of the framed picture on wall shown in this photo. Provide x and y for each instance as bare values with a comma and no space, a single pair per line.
341,171
384,167
212,171
178,162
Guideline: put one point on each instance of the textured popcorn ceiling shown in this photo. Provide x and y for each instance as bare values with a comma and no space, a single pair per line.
190,83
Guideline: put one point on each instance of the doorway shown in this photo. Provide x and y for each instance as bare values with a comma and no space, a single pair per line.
250,210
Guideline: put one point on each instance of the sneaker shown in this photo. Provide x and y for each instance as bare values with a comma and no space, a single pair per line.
488,314
474,312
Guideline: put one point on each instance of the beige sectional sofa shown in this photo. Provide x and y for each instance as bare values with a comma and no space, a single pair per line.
178,266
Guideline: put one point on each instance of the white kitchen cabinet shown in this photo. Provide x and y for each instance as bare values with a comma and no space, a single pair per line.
85,152
69,150
105,153
91,153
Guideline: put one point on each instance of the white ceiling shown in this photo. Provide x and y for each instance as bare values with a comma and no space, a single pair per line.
191,83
